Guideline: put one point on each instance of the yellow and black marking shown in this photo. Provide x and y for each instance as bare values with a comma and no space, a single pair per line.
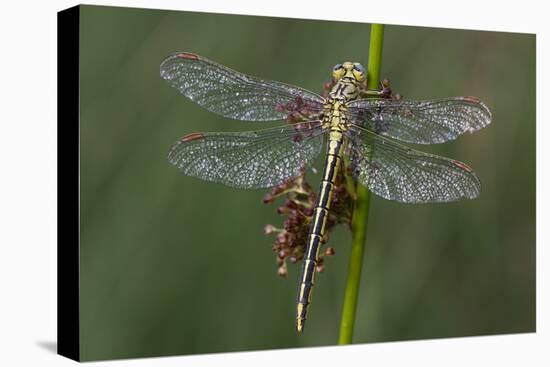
350,78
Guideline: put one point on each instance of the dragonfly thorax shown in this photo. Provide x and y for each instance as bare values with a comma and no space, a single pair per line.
334,115
347,89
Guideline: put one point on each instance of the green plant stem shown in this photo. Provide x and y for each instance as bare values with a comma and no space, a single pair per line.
361,210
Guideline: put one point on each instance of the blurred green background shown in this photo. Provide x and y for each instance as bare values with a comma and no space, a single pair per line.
173,265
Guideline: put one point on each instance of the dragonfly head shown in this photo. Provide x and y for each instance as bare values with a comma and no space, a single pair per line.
353,70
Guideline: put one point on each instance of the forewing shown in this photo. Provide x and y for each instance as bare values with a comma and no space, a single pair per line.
421,122
399,173
235,95
251,159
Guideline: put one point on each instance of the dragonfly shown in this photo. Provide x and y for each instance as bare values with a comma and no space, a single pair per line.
352,126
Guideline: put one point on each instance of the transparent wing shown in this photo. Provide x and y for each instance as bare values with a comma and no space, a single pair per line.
251,159
421,122
399,173
233,94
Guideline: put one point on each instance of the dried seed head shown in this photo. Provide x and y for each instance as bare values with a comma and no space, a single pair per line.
268,198
297,210
291,204
269,229
330,251
283,210
282,237
282,271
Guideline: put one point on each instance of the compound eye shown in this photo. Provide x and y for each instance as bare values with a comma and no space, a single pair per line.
337,67
359,68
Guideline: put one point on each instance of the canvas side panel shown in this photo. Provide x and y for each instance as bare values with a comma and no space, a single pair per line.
68,160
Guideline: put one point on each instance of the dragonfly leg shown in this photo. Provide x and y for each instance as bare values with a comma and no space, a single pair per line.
384,92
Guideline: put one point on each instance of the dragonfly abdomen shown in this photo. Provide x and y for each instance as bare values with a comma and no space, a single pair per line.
318,225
